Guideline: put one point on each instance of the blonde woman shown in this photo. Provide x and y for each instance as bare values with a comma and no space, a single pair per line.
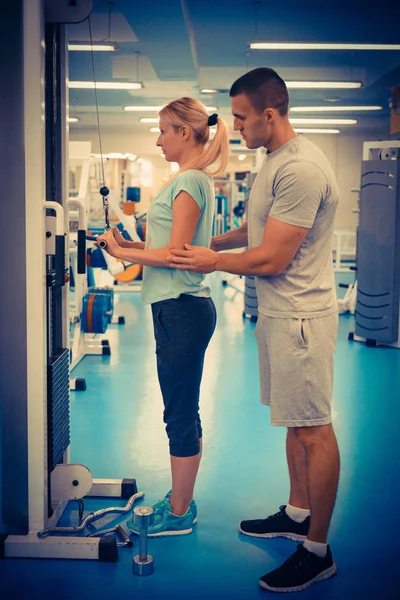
184,315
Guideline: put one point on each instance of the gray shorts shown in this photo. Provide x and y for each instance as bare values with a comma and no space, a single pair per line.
296,368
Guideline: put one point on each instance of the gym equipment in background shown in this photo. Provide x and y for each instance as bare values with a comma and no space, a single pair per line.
248,288
91,310
378,247
221,215
348,303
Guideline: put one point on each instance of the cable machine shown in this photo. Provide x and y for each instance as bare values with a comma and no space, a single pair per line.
37,481
378,247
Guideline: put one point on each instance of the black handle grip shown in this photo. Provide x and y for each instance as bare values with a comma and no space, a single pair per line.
124,537
81,251
60,260
92,238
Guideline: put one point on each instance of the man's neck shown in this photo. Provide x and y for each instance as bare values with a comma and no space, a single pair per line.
282,136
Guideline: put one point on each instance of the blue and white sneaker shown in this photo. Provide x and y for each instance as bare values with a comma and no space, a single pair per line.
165,522
193,507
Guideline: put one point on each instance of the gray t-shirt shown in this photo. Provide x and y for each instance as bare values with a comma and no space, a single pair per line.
296,185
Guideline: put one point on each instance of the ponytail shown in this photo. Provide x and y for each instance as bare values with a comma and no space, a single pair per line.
193,114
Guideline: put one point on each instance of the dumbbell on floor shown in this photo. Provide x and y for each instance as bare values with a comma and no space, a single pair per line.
143,563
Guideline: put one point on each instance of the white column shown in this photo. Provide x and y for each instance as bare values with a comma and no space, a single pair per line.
35,260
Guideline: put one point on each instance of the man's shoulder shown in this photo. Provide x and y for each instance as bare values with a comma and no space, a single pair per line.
305,161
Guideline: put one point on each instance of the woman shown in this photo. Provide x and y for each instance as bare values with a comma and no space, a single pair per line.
184,315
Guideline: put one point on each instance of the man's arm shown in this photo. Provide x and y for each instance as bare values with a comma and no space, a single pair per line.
299,190
237,238
280,243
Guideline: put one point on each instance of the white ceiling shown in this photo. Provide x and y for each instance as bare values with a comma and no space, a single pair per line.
187,45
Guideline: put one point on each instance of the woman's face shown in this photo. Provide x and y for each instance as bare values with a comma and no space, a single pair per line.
170,140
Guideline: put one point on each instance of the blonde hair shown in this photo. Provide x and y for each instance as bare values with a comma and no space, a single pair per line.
193,114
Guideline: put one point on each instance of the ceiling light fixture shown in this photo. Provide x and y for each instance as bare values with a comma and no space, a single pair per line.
73,120
297,121
142,108
154,130
96,47
324,85
318,46
334,108
105,85
145,108
310,130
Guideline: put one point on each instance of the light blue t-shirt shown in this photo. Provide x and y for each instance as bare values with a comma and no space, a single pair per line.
161,283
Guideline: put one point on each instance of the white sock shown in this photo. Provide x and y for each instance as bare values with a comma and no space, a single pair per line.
297,514
316,548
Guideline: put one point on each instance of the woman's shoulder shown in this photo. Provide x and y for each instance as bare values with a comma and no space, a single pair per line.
194,175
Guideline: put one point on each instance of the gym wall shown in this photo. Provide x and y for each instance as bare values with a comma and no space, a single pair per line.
344,151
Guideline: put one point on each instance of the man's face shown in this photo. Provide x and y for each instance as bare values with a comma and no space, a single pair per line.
255,128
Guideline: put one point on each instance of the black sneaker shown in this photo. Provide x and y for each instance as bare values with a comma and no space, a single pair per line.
277,525
299,571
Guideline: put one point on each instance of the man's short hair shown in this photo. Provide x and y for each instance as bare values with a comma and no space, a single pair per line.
264,89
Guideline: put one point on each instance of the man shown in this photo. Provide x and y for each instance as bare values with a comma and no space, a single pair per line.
291,215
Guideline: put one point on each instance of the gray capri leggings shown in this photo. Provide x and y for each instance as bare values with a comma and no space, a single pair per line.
183,328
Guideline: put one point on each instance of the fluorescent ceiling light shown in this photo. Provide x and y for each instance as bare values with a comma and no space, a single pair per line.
313,46
157,130
323,85
73,120
105,85
127,156
323,121
306,130
242,157
143,108
334,108
207,91
96,47
149,120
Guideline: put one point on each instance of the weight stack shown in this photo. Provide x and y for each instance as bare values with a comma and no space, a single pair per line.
58,415
250,298
378,253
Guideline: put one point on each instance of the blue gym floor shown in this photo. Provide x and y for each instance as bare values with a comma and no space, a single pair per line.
117,431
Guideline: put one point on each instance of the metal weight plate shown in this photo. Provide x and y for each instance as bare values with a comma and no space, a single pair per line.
109,293
100,316
97,258
94,317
